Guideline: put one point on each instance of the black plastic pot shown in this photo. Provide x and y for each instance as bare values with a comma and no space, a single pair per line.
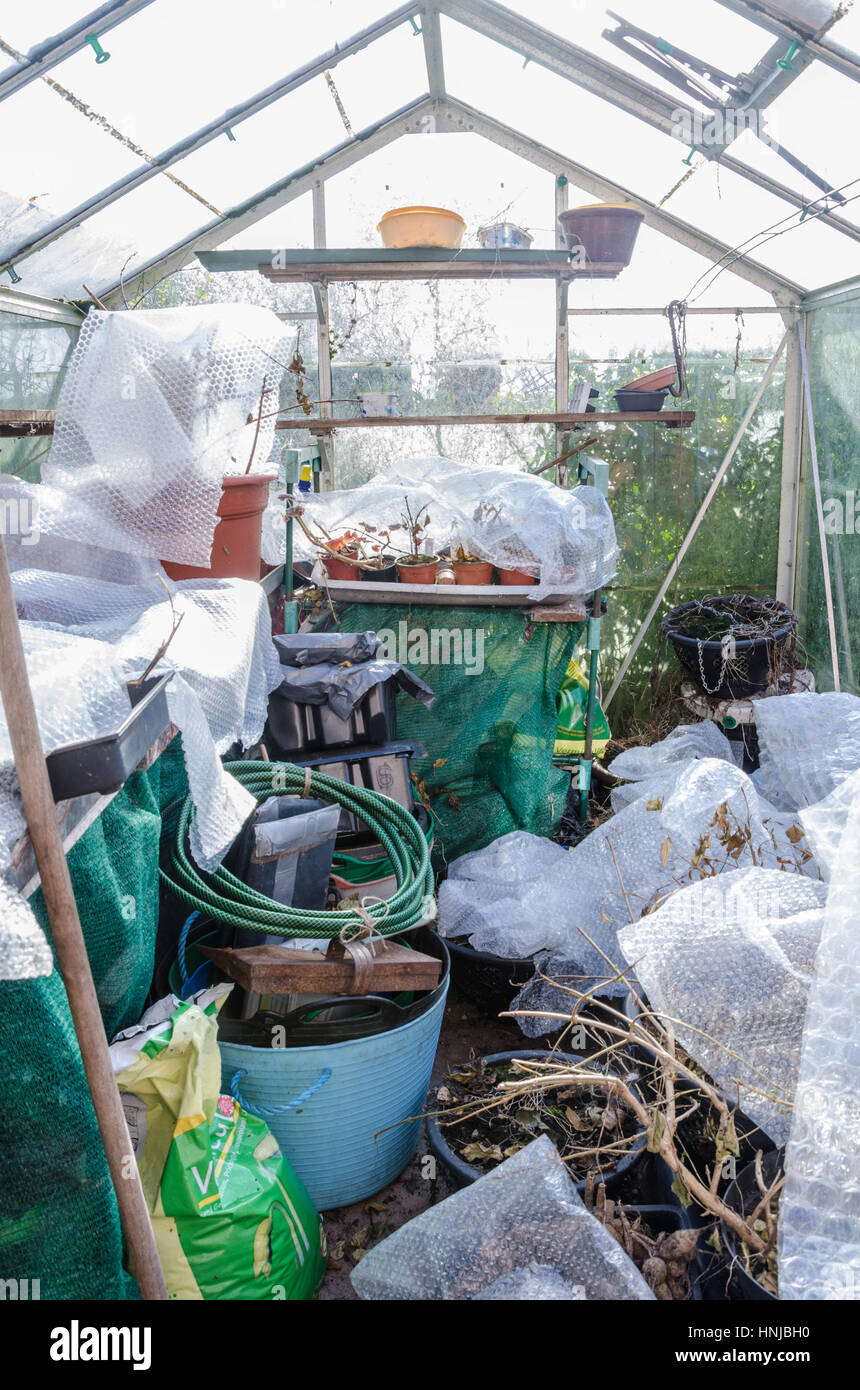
706,659
489,981
385,575
743,1196
463,1173
640,400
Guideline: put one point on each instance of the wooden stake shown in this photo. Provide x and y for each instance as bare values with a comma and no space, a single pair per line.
69,943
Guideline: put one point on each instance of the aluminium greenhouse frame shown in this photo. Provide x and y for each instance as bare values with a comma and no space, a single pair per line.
437,112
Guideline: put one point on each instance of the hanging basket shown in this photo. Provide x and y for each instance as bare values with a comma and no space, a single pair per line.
733,645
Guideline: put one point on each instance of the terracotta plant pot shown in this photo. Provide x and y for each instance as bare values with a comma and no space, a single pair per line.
516,577
236,543
340,568
422,573
472,571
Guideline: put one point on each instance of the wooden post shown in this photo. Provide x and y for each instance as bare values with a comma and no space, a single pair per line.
69,943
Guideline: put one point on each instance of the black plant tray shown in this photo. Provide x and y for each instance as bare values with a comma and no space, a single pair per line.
103,764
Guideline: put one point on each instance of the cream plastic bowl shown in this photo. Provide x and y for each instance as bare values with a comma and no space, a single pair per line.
404,227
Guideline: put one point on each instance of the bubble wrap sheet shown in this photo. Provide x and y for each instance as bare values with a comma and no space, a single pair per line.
24,951
519,1229
85,638
808,745
514,520
522,894
732,957
819,1219
152,413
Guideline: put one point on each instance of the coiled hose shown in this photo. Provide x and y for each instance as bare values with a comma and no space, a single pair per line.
226,898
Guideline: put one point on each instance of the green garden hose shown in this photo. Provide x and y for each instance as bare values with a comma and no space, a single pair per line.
225,898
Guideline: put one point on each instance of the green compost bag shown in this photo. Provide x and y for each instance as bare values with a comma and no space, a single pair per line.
231,1218
572,698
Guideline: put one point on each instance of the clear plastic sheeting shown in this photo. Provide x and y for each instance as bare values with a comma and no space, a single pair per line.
808,745
534,1283
77,687
516,521
648,770
819,1218
523,894
825,823
517,897
520,1227
153,412
24,951
731,960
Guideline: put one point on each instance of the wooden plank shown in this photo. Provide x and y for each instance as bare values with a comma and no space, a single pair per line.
272,969
17,422
549,268
678,418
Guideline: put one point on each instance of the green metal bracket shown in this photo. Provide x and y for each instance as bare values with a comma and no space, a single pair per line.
664,46
416,27
593,636
562,181
13,275
689,160
101,54
230,136
787,63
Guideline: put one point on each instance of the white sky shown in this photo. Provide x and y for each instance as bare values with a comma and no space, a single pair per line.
178,64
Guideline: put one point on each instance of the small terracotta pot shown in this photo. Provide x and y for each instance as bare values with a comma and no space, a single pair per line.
424,573
516,577
337,568
472,571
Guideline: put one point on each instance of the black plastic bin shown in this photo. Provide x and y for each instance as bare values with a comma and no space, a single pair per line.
293,728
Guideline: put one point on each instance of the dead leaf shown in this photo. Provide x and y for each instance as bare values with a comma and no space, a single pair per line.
655,804
794,833
665,850
656,1130
440,762
478,1153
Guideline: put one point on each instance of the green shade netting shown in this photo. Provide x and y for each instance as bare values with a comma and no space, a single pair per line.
491,733
59,1222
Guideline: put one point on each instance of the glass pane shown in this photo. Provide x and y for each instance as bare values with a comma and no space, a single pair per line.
33,356
835,376
210,57
125,236
701,27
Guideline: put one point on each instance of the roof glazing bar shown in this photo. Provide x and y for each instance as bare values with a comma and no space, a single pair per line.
54,50
190,143
614,85
835,55
408,120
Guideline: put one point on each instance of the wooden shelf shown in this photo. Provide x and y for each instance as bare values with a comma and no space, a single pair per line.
15,423
413,263
317,425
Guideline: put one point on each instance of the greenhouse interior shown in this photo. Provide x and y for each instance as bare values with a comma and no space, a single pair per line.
429,608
